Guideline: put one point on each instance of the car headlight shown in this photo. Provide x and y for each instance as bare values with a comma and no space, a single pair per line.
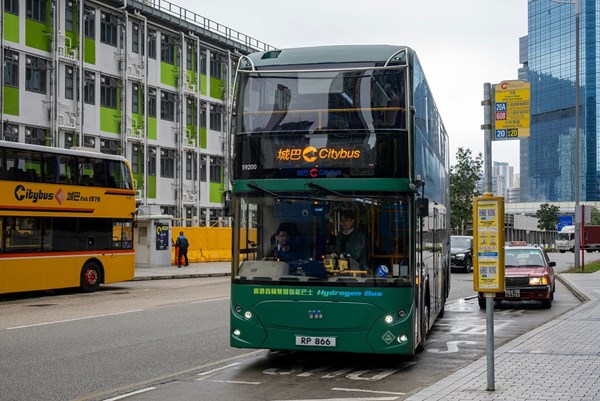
460,256
538,280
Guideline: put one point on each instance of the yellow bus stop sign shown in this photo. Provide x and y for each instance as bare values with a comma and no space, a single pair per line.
488,237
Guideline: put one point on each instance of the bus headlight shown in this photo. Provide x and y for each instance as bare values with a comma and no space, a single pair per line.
401,314
402,339
238,309
389,319
248,315
236,333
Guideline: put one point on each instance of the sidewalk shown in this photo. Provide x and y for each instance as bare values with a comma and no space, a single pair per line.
207,269
557,361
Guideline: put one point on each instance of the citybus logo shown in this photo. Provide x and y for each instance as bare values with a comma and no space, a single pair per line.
22,193
310,154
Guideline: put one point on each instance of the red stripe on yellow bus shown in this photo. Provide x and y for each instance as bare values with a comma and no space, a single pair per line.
119,192
46,209
79,253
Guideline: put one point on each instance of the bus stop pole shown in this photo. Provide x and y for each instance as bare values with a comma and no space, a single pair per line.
487,158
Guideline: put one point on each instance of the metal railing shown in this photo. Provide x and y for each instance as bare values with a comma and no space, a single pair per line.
205,23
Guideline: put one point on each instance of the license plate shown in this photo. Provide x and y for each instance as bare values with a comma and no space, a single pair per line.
315,341
512,293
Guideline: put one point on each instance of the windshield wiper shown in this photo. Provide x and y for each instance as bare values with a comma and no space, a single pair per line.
254,186
317,186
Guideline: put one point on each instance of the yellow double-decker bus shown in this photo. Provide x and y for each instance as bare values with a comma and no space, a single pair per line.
66,218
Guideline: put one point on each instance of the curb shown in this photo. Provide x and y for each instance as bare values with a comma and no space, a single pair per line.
578,294
174,276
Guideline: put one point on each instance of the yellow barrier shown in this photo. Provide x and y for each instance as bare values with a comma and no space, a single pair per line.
208,244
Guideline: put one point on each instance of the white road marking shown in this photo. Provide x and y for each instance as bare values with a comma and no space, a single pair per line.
120,397
366,391
346,399
209,300
230,381
73,320
209,372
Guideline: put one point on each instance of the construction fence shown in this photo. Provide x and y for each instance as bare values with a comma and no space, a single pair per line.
207,244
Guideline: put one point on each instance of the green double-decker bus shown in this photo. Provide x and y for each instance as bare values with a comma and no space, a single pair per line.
340,201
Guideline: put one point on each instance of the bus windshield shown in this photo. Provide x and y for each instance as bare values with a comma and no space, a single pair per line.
335,239
326,100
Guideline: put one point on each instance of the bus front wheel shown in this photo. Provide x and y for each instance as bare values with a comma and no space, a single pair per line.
90,277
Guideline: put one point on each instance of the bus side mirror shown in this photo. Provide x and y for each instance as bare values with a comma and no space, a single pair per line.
423,207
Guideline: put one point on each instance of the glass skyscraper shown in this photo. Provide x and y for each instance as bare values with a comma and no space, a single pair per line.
548,158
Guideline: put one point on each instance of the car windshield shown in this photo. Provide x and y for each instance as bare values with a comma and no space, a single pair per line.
460,242
523,257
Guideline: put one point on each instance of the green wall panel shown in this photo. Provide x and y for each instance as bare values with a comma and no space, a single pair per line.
11,28
203,84
216,192
152,186
203,138
151,127
215,88
11,100
110,120
168,74
37,35
90,51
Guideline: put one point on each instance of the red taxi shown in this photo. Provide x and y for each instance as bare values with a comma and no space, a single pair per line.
528,275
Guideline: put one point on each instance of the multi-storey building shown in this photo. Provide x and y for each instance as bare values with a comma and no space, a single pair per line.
547,158
145,79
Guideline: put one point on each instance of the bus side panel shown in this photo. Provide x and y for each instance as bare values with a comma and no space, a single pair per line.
59,272
118,267
22,275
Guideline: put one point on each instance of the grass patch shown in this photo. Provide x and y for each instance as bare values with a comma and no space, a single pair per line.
588,268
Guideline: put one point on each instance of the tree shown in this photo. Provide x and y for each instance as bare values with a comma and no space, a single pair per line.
547,217
464,176
595,218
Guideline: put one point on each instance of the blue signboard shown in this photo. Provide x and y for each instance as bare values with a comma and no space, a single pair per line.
564,221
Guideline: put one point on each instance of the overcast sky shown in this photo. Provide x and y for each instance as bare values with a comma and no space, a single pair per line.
461,44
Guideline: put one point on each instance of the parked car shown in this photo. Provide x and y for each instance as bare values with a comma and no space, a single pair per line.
528,276
461,249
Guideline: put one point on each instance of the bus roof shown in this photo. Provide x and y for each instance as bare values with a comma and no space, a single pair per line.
376,54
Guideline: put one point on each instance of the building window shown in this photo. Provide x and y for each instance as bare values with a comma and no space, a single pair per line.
215,118
167,163
137,92
35,135
167,105
35,74
152,102
216,169
108,91
108,29
203,61
36,10
203,115
191,167
152,44
190,113
11,6
11,132
137,158
216,66
89,141
69,83
203,168
110,147
190,55
167,49
151,160
136,37
69,16
11,68
89,88
89,22
70,140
